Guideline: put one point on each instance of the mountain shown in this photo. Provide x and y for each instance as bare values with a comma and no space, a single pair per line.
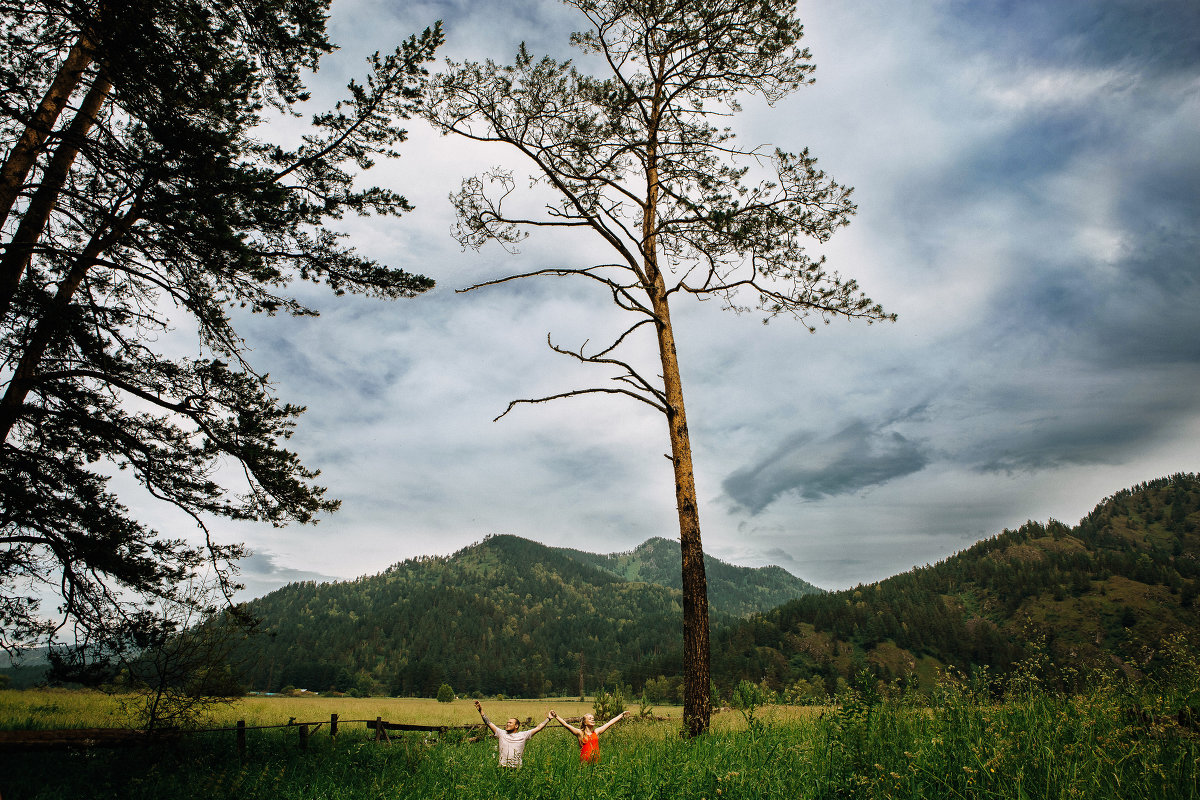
506,615
1107,591
27,669
739,591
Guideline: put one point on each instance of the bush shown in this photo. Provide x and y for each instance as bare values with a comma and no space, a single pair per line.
804,692
645,707
445,694
664,690
608,704
747,697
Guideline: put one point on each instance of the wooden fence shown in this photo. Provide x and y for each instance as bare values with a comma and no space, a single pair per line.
75,738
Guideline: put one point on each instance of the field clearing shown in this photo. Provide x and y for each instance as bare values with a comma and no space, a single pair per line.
1039,745
51,709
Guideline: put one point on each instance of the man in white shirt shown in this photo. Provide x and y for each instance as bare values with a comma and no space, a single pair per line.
511,738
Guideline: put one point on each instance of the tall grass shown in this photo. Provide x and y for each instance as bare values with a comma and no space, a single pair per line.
1107,743
53,709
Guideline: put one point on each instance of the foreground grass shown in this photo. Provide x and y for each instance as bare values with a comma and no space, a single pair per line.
1040,746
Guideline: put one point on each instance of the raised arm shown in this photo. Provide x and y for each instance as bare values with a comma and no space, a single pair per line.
487,721
540,726
605,726
566,724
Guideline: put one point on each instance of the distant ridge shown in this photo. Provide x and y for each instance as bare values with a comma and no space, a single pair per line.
511,616
505,615
29,669
1106,592
735,590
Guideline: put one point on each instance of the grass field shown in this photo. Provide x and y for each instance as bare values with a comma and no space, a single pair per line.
959,746
49,709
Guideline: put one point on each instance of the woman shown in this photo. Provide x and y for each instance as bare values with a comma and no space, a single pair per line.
588,735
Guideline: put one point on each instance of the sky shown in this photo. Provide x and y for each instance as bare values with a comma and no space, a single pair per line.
1027,177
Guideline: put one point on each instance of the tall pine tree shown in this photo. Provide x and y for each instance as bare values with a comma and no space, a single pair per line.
634,158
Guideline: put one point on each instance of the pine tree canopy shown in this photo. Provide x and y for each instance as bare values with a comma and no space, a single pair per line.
142,210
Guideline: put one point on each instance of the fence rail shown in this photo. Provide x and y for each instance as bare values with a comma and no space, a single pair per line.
77,738
69,739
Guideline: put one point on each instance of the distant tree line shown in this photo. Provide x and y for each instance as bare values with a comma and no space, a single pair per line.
509,616
1112,587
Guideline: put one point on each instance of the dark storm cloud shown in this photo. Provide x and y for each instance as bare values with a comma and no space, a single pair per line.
1082,434
1088,350
1095,33
1136,313
854,458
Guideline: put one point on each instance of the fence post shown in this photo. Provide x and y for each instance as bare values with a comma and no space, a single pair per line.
241,738
378,728
303,737
333,724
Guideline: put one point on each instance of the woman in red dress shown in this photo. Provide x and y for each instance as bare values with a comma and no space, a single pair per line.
588,735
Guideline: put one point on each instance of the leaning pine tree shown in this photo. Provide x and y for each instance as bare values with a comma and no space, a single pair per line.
139,204
633,157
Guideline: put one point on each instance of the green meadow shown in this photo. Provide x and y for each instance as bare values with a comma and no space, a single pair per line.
959,743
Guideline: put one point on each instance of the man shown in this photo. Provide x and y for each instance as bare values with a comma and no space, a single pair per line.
511,738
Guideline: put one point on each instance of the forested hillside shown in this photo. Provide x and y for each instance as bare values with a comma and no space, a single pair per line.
1107,591
29,669
731,589
512,616
506,615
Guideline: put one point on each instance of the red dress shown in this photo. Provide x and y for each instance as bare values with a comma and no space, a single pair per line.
589,748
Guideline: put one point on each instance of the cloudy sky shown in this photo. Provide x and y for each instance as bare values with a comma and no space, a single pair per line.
1028,182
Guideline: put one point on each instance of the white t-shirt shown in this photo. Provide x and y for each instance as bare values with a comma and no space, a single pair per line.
512,746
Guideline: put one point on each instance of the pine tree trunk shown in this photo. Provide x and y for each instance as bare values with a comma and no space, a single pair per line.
25,152
697,706
41,206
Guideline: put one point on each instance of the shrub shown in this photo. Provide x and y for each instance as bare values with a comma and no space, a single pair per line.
664,690
747,697
445,694
608,704
645,707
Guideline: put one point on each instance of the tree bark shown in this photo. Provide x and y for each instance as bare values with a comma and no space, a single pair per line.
41,206
697,706
25,152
